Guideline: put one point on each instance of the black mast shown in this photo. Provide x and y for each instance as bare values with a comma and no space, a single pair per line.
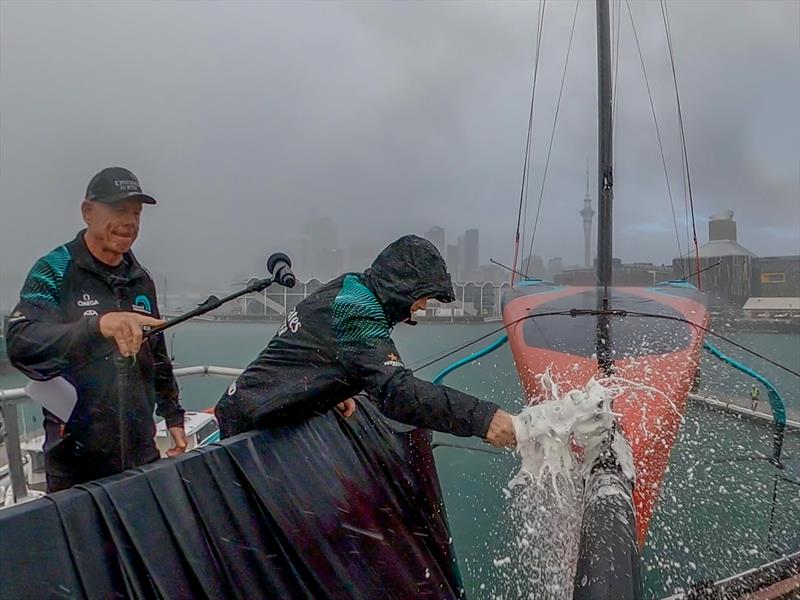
608,556
605,193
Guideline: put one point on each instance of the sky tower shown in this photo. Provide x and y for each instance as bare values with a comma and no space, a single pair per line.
588,214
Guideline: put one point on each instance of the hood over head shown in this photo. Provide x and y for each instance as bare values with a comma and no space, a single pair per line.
405,271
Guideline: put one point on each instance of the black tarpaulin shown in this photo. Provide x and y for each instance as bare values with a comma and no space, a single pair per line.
329,508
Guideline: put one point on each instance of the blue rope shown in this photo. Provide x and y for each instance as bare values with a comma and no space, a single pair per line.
775,400
468,359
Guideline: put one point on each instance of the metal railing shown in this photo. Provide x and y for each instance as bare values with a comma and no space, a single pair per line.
746,412
11,398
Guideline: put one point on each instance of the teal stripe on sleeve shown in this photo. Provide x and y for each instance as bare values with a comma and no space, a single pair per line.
357,314
44,280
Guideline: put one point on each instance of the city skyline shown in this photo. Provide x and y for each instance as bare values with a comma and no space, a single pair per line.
415,114
720,228
463,258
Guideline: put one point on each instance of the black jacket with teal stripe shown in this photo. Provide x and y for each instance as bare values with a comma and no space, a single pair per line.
54,331
336,344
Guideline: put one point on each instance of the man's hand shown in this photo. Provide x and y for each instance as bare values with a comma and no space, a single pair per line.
178,440
125,328
501,430
347,407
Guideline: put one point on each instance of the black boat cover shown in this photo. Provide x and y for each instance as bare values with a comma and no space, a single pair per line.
328,508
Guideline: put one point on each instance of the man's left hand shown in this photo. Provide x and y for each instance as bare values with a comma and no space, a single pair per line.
178,440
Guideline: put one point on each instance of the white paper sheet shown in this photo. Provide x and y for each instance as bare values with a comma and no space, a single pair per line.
56,395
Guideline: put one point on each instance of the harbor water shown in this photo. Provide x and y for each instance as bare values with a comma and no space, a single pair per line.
716,515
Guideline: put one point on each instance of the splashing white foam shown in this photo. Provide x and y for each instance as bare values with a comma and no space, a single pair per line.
546,431
558,440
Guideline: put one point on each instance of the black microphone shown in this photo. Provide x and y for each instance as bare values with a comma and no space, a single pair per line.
280,267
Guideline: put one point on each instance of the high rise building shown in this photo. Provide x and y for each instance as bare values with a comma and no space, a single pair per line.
470,261
453,260
436,235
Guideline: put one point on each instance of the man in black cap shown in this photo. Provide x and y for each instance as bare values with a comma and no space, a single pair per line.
337,343
78,303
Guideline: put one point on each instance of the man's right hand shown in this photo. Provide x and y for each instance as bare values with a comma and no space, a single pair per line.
346,407
125,328
501,430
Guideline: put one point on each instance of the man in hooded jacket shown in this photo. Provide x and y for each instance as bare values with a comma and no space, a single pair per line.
336,344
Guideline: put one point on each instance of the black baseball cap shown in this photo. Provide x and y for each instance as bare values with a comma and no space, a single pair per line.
115,184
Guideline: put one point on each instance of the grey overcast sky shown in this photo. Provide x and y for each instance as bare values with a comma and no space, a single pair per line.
246,118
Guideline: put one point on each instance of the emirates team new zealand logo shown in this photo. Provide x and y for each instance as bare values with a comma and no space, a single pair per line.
142,304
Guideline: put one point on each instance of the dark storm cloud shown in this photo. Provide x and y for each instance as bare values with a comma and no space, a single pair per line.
246,118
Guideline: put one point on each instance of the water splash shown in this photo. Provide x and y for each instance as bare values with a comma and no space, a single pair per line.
549,433
558,439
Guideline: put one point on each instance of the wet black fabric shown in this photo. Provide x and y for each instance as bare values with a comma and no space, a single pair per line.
327,508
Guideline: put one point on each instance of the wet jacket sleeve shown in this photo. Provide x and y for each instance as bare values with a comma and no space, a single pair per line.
167,390
368,353
39,343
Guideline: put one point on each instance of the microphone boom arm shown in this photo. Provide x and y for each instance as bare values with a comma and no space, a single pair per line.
278,264
212,303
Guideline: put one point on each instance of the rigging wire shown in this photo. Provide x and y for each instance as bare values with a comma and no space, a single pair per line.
614,100
665,16
658,136
523,193
668,33
552,136
540,31
435,358
574,312
690,275
466,345
719,336
507,268
527,166
687,220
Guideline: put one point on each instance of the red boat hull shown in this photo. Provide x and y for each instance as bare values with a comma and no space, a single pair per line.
660,353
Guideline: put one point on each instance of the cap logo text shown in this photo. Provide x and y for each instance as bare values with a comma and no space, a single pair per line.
127,185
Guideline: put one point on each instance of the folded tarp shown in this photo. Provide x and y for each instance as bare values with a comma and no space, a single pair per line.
328,508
